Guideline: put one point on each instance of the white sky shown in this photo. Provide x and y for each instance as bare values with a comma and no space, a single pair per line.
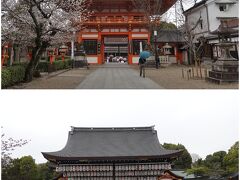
204,121
170,15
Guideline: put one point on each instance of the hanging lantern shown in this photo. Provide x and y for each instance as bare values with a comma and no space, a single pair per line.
29,53
5,55
51,54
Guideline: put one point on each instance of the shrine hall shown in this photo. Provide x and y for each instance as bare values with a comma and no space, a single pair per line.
116,29
130,153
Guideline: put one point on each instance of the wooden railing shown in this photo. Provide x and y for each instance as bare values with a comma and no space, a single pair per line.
117,19
164,59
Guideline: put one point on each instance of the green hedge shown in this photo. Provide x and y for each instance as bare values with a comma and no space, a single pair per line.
12,75
57,65
43,66
59,58
20,63
15,73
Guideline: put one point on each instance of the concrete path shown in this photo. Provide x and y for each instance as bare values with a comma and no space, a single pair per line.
116,76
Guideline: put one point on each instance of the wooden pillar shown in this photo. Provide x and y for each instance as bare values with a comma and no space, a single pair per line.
149,35
79,37
101,54
114,172
180,54
130,48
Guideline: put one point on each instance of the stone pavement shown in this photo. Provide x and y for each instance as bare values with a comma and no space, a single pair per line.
116,76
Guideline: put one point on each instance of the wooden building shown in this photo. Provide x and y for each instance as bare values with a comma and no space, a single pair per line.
112,154
211,15
169,175
116,28
169,43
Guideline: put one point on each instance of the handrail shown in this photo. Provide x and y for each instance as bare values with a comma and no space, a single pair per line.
117,19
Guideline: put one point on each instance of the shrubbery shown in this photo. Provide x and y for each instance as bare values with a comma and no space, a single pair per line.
57,65
59,58
43,66
12,75
62,64
15,73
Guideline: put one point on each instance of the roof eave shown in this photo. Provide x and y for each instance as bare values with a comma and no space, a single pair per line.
175,175
55,158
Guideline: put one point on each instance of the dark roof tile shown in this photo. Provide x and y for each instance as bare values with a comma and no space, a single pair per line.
120,143
168,36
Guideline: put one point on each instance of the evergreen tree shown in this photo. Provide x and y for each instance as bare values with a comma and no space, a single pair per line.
231,160
218,164
185,160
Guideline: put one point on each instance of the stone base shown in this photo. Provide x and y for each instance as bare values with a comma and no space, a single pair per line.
225,66
224,71
220,77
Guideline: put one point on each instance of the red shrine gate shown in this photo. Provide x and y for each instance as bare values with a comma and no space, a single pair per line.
116,28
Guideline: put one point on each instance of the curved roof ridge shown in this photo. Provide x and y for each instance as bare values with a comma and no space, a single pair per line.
144,128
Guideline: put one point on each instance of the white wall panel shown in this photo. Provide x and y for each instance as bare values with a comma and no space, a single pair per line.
92,59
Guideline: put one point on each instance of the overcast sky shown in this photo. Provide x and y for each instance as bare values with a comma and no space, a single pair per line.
204,121
170,15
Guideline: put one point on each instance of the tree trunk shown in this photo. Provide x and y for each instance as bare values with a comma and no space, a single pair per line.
29,71
16,53
11,56
36,55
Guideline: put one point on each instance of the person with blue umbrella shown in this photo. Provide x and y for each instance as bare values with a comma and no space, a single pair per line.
142,60
145,54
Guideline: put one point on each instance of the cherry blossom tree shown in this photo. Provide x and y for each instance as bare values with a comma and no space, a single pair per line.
41,23
7,146
152,9
195,44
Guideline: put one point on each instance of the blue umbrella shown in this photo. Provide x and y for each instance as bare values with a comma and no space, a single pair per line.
145,54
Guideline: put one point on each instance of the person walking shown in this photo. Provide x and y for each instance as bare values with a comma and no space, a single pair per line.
142,60
141,64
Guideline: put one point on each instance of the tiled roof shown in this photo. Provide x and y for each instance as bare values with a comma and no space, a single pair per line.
104,143
170,36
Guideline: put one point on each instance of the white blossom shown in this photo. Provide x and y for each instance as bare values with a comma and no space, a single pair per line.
50,20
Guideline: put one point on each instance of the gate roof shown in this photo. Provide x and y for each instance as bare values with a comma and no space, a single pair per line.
112,143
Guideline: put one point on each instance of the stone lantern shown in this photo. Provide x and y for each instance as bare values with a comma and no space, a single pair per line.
167,49
226,68
63,50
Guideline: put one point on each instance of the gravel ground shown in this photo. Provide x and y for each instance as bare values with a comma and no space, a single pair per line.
59,80
171,78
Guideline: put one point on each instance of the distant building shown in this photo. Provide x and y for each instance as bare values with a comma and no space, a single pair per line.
116,28
179,175
169,175
112,154
169,43
210,14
